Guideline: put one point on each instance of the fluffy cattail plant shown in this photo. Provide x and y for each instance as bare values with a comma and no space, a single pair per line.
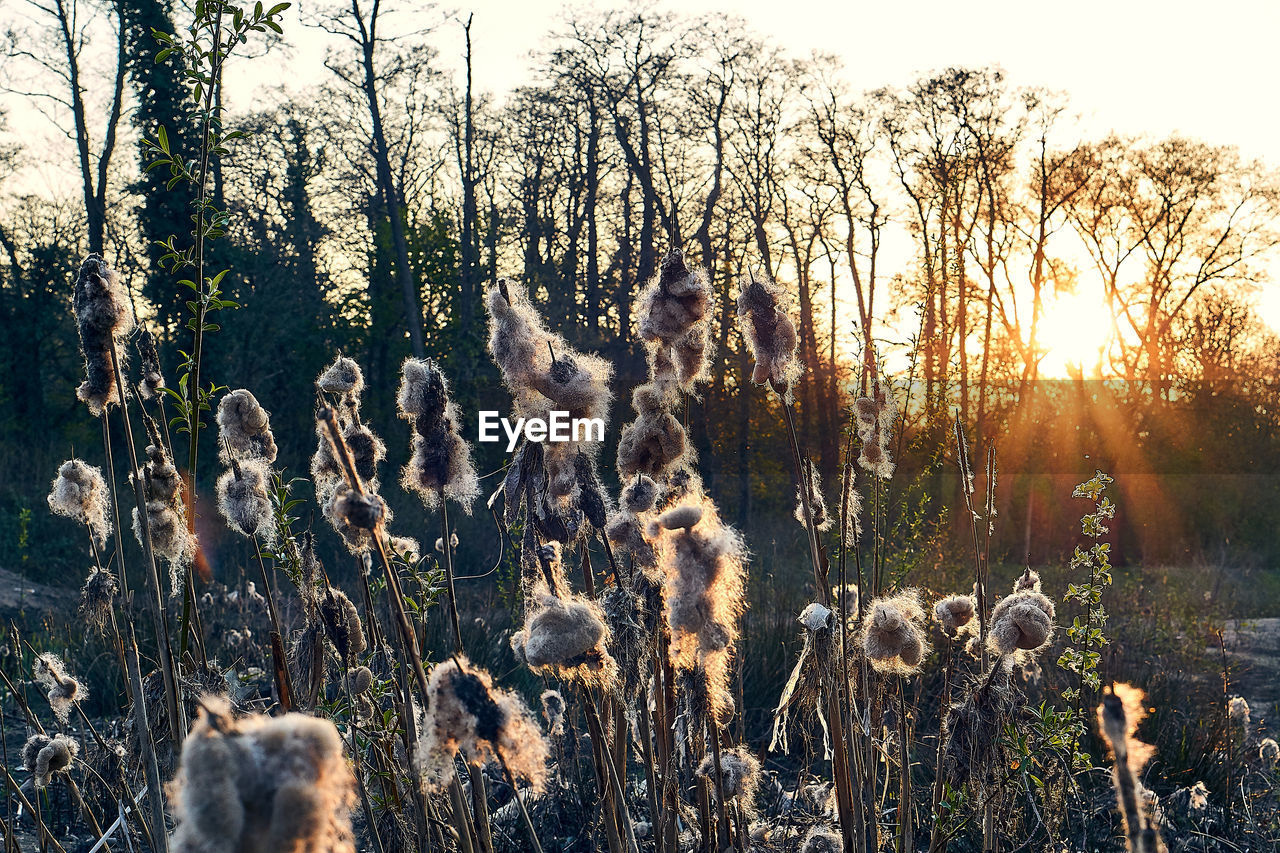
262,783
441,460
103,315
166,512
893,633
702,560
816,503
672,310
568,637
739,775
44,756
875,417
821,840
770,333
1022,621
544,373
96,597
955,613
152,382
812,678
1118,716
63,690
467,714
244,428
79,492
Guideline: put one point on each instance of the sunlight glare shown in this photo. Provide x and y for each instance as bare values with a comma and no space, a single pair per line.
1075,332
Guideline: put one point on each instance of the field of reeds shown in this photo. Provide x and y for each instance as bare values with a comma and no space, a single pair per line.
579,649
302,708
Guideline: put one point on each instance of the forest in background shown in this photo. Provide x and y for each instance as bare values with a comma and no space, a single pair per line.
931,223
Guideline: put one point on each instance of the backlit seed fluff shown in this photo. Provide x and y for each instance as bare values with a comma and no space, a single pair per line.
63,690
466,714
875,418
1269,753
817,504
639,494
821,840
672,311
655,441
152,378
79,492
43,756
103,315
441,459
343,377
570,635
262,783
1238,711
1028,580
769,331
244,428
1021,621
739,774
244,498
955,612
360,679
166,515
553,710
362,512
97,596
342,623
893,635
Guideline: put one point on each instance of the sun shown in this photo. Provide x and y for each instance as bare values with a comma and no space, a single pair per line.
1075,330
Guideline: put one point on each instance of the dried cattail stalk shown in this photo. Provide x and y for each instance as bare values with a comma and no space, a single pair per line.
769,332
654,443
307,664
702,561
359,680
553,711
103,315
467,714
244,498
893,635
262,783
43,756
1238,712
1269,753
79,492
64,690
244,429
166,515
441,460
342,378
1118,717
672,310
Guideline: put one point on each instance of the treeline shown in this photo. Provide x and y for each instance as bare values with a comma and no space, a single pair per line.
924,226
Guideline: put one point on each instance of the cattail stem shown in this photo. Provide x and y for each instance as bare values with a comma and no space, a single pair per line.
177,716
448,573
906,836
722,818
938,838
46,837
283,682
644,721
524,813
609,771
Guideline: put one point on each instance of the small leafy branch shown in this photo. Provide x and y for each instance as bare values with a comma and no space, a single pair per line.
203,49
1086,635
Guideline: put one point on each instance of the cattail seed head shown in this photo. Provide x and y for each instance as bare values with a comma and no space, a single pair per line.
1021,621
342,623
553,711
96,597
244,498
893,635
166,515
1027,581
1238,711
152,378
639,494
103,315
769,331
51,672
569,637
654,443
79,492
230,768
360,679
343,378
821,840
244,428
441,460
467,714
43,756
672,310
955,612
739,774
875,418
1269,753
817,503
